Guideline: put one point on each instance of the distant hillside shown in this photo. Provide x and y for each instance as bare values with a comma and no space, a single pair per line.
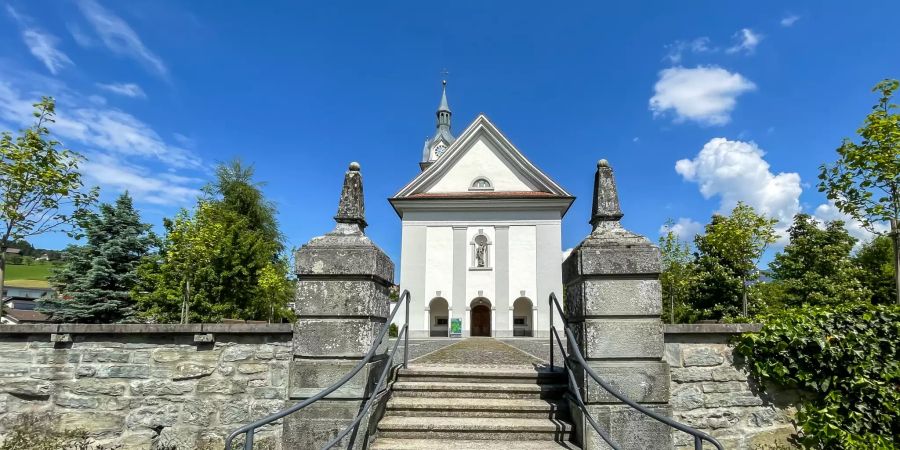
21,275
26,249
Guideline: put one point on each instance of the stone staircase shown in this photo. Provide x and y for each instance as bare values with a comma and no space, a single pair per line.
471,407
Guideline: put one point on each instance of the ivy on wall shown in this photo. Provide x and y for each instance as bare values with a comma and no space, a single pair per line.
846,361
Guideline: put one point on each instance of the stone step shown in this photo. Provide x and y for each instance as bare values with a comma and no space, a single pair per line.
478,390
440,444
463,374
476,407
466,428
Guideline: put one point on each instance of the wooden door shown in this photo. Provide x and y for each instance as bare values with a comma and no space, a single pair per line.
481,321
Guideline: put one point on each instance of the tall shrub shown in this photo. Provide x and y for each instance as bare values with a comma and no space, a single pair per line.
846,359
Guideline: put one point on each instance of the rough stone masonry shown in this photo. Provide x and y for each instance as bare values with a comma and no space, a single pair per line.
342,305
613,301
175,387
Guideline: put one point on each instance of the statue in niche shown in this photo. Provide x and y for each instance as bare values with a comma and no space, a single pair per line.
480,251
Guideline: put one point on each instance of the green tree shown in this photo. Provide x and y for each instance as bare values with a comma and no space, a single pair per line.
876,269
95,281
815,268
40,186
727,254
226,260
678,275
865,180
169,280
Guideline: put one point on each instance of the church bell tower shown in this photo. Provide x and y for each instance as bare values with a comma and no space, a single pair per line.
436,145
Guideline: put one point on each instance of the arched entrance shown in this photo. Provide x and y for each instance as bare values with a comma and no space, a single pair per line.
481,317
438,317
523,317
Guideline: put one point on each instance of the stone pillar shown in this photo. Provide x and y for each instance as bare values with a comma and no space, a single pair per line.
342,304
613,300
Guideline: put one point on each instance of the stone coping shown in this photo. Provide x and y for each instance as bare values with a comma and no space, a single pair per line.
285,328
712,328
193,328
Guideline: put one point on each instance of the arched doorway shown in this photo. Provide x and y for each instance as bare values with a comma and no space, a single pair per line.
523,317
438,317
481,317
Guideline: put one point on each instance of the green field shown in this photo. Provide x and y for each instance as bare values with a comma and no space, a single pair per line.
21,275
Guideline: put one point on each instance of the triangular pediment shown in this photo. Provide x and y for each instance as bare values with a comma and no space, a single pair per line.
482,152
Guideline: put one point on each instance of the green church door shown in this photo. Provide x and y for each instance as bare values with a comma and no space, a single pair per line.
481,321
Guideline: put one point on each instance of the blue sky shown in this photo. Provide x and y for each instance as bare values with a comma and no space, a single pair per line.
696,104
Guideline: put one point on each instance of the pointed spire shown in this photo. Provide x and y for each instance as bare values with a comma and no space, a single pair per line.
434,146
443,112
444,105
351,214
606,196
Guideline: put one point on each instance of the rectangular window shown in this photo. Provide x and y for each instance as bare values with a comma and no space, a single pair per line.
518,321
441,321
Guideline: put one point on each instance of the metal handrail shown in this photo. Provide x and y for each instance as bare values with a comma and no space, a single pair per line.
250,429
387,368
578,400
698,435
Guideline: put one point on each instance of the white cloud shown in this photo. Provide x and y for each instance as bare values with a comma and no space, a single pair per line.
747,41
100,127
41,44
828,211
567,252
679,48
789,20
122,151
43,47
81,38
127,89
119,37
736,171
142,184
706,95
684,228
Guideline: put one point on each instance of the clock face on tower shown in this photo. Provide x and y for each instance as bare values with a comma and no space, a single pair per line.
439,150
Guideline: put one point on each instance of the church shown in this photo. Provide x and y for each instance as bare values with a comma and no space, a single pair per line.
481,235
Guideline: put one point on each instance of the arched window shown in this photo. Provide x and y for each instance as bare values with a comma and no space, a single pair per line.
481,184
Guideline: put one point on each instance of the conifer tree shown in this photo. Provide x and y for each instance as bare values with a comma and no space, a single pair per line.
94,283
815,268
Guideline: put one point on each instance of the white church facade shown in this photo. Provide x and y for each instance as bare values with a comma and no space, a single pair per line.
481,236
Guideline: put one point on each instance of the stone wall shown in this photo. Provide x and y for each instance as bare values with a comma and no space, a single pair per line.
187,386
710,391
144,386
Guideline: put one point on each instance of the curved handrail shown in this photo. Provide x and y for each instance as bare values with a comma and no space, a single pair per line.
250,429
572,382
698,435
387,368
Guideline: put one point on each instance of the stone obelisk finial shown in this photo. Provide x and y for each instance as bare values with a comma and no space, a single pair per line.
606,196
351,213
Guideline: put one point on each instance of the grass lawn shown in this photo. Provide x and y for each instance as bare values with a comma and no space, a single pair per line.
34,275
